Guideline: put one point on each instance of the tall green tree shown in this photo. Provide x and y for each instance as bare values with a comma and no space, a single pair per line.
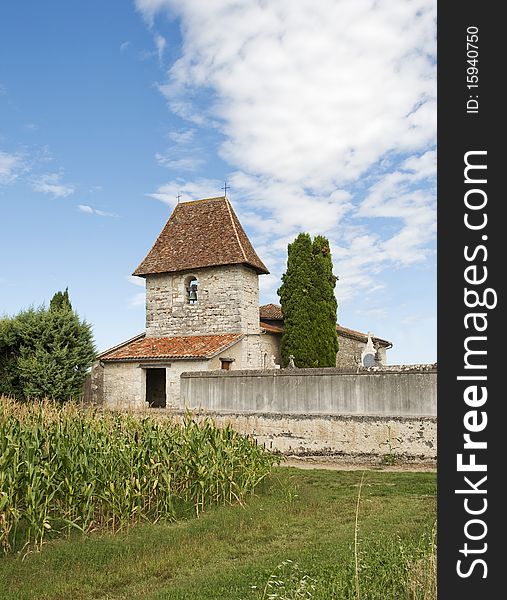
60,301
309,304
45,352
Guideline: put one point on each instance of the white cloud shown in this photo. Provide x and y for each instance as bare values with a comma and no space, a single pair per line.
124,46
11,166
139,281
89,210
187,190
148,8
315,92
177,164
50,183
328,116
182,137
103,213
160,44
137,300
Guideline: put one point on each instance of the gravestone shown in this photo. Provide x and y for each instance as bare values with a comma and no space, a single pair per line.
368,354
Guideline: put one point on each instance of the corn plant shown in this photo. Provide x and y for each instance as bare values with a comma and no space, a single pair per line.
65,468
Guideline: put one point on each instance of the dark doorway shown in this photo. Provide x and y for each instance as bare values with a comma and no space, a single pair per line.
155,388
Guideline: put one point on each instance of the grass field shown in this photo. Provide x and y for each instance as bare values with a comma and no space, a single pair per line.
294,539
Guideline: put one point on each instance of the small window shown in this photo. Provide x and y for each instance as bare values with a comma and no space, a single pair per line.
226,363
191,287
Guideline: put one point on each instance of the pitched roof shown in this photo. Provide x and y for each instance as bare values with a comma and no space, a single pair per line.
273,312
361,337
174,348
202,233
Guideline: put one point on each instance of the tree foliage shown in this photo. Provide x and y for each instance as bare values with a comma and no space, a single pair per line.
308,304
45,352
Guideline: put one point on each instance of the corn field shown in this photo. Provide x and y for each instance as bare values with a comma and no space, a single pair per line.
66,468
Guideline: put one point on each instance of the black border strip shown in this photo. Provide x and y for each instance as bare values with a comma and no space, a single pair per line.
460,132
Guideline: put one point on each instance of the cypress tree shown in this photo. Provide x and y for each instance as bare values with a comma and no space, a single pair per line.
308,304
326,306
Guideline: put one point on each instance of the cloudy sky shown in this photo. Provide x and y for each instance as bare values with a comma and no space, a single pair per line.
320,114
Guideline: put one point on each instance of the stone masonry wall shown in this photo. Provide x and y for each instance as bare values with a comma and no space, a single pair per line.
228,302
270,346
354,436
124,385
125,382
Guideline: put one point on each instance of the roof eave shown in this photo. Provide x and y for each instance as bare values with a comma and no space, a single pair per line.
118,346
144,273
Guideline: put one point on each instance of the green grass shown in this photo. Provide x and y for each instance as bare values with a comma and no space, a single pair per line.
307,517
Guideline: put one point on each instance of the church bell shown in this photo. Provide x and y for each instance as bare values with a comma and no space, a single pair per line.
192,294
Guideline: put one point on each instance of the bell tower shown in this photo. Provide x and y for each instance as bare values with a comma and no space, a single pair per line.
202,274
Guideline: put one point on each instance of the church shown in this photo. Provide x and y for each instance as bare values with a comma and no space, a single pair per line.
202,313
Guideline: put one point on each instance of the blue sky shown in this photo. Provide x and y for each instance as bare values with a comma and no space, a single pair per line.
321,116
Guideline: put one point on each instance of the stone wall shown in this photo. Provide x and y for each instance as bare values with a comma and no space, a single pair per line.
125,382
355,436
124,385
270,346
393,391
228,302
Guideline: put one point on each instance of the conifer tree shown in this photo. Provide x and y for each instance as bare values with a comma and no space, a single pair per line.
45,352
60,301
308,304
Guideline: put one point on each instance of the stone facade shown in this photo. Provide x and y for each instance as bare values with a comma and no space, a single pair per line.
228,302
124,385
125,382
348,355
270,346
349,352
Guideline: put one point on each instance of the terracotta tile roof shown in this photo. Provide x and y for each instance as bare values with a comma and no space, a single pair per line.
273,312
174,348
271,328
203,233
361,337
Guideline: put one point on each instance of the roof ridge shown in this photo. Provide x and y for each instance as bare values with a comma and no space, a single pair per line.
229,210
202,200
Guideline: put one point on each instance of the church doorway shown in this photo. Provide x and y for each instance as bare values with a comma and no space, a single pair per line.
155,388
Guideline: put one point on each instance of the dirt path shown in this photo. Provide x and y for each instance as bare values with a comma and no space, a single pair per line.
340,463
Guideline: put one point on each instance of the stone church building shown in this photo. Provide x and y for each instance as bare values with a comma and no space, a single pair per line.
202,312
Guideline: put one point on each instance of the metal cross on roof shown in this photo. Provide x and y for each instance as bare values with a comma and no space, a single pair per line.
225,188
178,197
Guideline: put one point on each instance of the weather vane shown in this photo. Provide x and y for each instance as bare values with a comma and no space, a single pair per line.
225,188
